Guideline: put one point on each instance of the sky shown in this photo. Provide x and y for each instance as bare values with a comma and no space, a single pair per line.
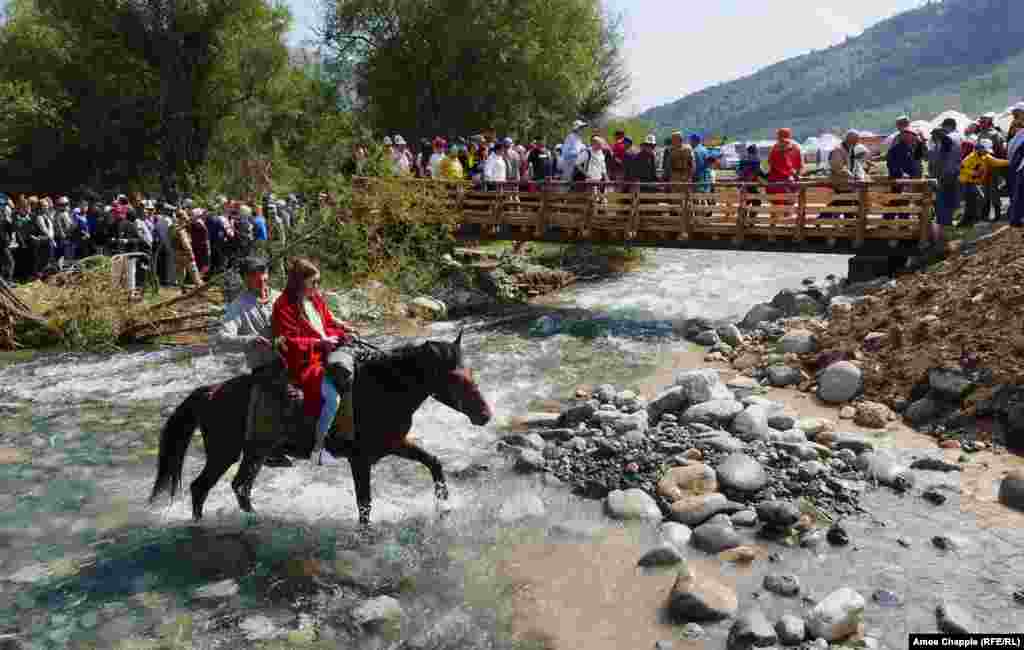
675,48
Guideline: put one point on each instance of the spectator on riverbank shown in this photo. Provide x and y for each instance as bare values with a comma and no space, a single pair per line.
185,260
976,179
571,150
904,160
197,231
944,167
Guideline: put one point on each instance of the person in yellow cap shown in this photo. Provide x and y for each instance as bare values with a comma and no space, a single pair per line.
976,179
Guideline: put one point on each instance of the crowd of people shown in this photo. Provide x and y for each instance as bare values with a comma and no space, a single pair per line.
974,165
184,243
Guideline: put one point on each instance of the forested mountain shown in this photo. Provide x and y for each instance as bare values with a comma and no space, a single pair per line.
965,55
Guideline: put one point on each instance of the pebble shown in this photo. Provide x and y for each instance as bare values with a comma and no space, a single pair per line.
633,503
377,610
745,518
943,543
741,473
715,538
751,630
778,514
934,497
837,616
787,585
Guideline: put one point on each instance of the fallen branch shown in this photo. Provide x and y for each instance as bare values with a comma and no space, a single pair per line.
170,320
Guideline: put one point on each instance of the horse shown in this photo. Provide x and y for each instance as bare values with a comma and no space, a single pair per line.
388,389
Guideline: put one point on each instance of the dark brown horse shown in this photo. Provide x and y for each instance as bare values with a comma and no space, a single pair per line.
387,391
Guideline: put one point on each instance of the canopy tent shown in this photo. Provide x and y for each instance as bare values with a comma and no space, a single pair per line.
961,120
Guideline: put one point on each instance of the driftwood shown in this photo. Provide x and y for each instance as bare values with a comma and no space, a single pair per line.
13,305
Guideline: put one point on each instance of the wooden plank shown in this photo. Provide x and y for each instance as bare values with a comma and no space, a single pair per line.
686,215
883,197
542,214
924,222
741,215
801,215
862,217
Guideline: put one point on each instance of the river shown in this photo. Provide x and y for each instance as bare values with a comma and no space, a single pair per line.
85,563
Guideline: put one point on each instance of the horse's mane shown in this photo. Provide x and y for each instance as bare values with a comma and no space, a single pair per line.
395,359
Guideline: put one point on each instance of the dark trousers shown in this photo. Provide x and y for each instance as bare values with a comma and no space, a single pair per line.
993,201
1017,204
974,202
7,263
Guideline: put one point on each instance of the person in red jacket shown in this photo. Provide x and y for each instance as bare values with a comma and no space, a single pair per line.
311,335
785,165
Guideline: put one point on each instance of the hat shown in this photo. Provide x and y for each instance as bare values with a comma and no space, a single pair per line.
650,139
985,145
1018,108
695,136
387,140
988,116
253,264
903,118
508,142
627,140
578,124
63,200
399,140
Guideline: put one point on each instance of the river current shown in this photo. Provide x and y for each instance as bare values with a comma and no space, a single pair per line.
86,563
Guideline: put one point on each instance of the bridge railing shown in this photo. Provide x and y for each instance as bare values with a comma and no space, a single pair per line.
894,210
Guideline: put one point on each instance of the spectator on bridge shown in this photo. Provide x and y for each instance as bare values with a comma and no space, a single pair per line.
513,165
496,169
541,163
677,161
976,180
617,170
571,150
450,168
700,157
434,164
749,170
200,237
592,166
944,167
785,165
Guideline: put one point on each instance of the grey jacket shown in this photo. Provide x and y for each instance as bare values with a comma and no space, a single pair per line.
944,157
245,320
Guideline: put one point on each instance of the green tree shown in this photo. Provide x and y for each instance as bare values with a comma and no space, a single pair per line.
459,66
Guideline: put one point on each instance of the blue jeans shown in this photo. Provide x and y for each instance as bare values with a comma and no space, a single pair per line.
947,201
329,393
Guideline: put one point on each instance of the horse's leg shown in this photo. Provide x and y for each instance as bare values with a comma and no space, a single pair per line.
411,451
242,485
360,465
221,453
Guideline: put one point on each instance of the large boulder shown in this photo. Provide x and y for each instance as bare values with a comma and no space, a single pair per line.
751,629
632,504
668,401
760,314
664,554
708,338
741,473
799,342
575,415
428,308
778,514
781,376
885,469
840,382
676,534
954,619
687,480
1011,490
695,510
714,412
702,385
751,424
698,596
730,334
791,630
949,385
714,537
377,611
872,415
837,616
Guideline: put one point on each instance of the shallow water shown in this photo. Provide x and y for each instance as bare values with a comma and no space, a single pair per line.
86,563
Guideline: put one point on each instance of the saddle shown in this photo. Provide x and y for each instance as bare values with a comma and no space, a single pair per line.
277,422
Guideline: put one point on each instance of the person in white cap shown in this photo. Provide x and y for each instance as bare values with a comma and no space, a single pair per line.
571,150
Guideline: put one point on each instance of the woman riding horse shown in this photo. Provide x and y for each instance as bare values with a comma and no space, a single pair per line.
311,335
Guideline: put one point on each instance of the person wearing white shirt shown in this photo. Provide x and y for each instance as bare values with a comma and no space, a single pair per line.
436,158
571,149
496,168
592,164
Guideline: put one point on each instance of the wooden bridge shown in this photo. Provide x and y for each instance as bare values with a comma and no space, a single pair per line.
883,218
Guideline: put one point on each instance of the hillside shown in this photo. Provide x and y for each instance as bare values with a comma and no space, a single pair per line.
956,54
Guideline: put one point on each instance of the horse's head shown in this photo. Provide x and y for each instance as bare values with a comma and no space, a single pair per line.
452,382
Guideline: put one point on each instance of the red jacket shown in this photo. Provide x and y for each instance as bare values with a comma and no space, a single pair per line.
784,162
302,354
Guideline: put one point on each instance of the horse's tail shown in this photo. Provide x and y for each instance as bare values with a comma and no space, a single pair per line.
174,440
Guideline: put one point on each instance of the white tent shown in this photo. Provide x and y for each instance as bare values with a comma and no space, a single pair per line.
961,120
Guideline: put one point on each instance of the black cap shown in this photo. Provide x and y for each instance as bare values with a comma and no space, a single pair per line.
253,264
